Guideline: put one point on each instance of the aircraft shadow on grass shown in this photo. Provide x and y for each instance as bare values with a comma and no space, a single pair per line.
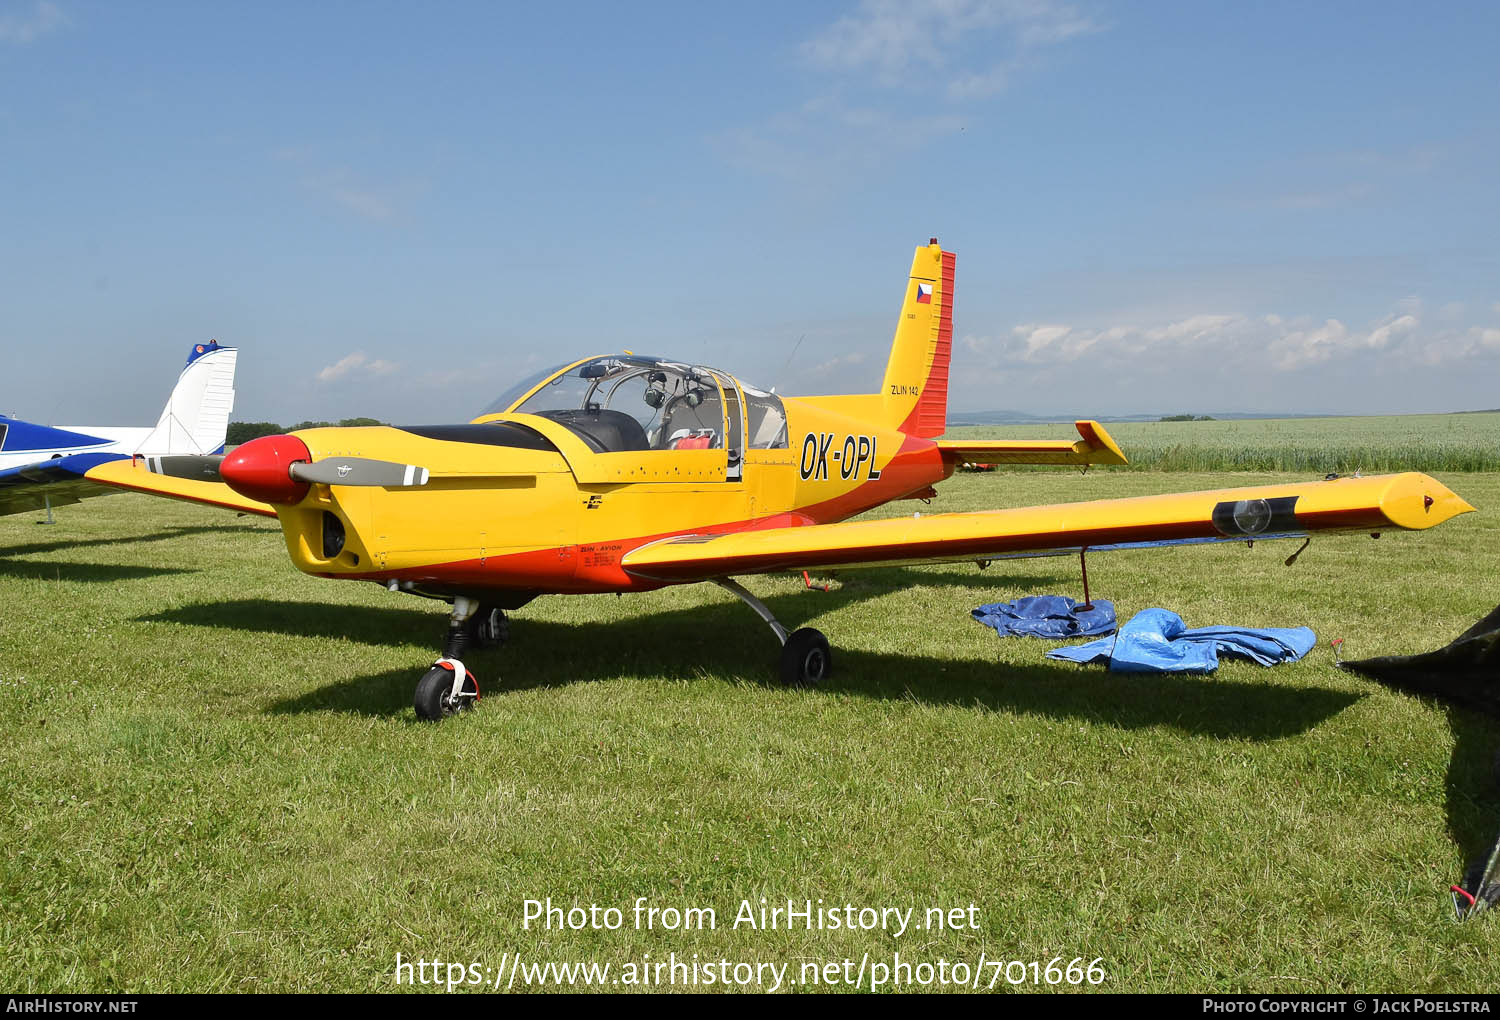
62,570
163,535
1473,781
725,639
28,570
1463,679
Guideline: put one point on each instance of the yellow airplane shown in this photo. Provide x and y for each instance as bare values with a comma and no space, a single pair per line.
626,473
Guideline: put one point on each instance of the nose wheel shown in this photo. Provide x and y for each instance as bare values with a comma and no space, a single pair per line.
445,689
806,659
449,687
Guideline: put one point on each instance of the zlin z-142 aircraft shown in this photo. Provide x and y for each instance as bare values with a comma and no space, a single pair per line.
624,473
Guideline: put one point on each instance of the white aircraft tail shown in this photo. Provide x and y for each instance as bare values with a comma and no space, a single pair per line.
196,417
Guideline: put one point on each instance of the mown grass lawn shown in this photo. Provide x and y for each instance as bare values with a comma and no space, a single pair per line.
215,780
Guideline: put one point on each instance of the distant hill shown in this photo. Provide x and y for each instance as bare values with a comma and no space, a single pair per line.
957,418
1003,417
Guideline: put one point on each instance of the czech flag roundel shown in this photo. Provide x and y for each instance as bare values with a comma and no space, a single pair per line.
924,293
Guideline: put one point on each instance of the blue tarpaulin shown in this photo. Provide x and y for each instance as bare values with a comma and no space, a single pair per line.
1157,641
1048,616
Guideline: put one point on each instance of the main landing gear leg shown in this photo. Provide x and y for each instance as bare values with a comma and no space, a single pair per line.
806,659
448,687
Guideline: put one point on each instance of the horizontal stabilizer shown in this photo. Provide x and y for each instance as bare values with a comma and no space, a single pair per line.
1095,447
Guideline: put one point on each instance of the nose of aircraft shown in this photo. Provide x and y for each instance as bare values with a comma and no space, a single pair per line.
260,469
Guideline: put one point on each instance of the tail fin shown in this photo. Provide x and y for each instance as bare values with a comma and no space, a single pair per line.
196,417
915,389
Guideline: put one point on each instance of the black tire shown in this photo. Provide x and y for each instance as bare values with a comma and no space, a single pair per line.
806,659
434,698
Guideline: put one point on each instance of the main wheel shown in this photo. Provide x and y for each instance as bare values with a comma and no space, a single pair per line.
806,659
493,629
434,698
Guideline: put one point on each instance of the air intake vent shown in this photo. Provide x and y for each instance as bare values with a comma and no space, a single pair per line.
333,535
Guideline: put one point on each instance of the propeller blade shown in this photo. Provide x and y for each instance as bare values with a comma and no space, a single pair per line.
359,471
194,469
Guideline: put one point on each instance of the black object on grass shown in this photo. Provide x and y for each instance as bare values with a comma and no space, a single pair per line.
1465,672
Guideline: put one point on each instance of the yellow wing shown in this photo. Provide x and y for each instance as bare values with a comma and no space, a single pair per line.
1096,447
128,474
1377,503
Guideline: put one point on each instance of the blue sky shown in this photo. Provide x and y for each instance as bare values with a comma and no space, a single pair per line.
397,209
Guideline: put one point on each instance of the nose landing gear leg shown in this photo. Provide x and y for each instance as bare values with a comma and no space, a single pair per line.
806,659
448,687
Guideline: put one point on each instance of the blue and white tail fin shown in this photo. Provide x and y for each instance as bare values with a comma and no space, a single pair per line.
196,417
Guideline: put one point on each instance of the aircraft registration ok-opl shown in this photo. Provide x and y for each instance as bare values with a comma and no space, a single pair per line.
625,473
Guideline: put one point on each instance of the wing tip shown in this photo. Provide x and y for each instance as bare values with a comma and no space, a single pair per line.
1417,501
1101,445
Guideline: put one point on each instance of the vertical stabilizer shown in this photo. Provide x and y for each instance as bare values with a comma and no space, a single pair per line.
915,389
196,417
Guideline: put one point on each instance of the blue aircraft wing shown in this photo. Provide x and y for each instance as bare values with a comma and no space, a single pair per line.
57,482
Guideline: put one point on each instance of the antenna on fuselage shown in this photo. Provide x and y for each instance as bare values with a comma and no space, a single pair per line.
795,347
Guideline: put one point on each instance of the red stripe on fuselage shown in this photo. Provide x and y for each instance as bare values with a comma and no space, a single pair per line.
594,567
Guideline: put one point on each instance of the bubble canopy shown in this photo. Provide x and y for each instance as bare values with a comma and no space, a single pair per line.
673,404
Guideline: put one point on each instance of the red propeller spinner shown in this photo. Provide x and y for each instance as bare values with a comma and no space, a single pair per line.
261,469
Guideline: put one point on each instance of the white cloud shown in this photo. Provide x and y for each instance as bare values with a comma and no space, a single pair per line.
894,56
1332,179
828,140
1474,342
837,365
1276,343
356,363
361,199
1197,327
896,39
341,186
23,29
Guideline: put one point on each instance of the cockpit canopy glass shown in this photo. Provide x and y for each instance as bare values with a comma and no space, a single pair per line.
628,402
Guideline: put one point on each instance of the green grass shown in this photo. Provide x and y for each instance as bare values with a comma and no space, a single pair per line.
215,780
1413,442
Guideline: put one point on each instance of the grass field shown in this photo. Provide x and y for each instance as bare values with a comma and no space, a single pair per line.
215,780
1410,442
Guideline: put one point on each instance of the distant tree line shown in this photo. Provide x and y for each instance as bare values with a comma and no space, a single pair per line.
1186,417
244,431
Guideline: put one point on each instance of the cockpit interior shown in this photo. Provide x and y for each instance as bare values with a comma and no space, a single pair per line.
625,403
